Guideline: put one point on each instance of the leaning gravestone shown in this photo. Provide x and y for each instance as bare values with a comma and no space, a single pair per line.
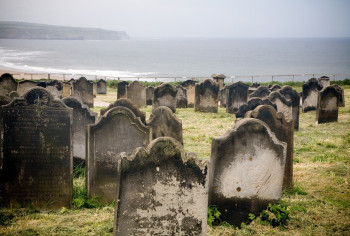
181,97
55,88
136,92
237,95
101,87
310,93
223,96
252,104
341,95
122,89
327,105
165,95
164,123
162,191
324,81
149,95
7,84
66,89
206,99
283,105
119,130
247,169
284,132
37,168
83,90
82,116
275,87
24,86
290,93
189,85
260,92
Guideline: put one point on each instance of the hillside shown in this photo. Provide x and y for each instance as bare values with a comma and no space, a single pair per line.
22,30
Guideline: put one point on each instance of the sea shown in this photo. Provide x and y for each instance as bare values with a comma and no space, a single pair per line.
238,59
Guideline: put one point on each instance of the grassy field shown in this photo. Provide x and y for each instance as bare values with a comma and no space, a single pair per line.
319,204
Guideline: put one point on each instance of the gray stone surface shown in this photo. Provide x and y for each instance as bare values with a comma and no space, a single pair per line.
162,191
310,94
275,87
290,93
324,81
101,87
261,92
136,92
24,86
83,90
206,96
165,95
190,85
341,95
237,95
283,105
7,84
13,94
94,89
181,97
149,95
220,80
327,105
55,87
119,130
37,168
252,104
223,97
66,91
247,169
122,89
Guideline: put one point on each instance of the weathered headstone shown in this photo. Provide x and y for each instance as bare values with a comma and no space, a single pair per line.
290,93
83,89
149,95
165,95
247,169
284,131
55,88
66,90
275,87
327,105
122,89
101,87
7,84
162,191
24,86
237,95
324,81
136,92
252,104
190,85
181,97
37,167
260,92
206,99
283,105
220,80
223,96
119,130
341,95
82,116
310,94
94,88
164,123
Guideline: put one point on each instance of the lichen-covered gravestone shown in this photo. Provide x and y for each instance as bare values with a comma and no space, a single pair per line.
7,84
122,89
165,95
162,191
164,123
237,95
119,130
327,105
310,94
223,96
25,85
247,169
252,104
283,105
38,167
55,88
189,85
261,92
181,97
82,116
101,87
136,92
290,93
206,96
284,131
83,89
149,95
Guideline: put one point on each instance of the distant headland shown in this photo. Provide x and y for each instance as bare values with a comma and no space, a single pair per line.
25,30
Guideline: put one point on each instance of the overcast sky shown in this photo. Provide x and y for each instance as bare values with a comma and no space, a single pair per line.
191,18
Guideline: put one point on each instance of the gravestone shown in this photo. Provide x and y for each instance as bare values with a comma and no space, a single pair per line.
66,90
94,89
122,89
252,104
283,105
83,90
247,169
290,93
82,116
220,80
13,94
284,131
327,105
260,92
341,95
206,99
37,156
136,92
190,86
24,86
7,84
3,101
181,97
310,93
237,95
223,96
149,95
55,88
165,95
119,130
101,87
324,81
275,87
164,123
162,191
124,102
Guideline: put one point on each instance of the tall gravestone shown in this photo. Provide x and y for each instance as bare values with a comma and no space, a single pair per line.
164,123
341,95
55,87
7,84
324,81
252,104
283,105
190,86
327,105
237,95
206,99
291,94
122,89
247,169
66,90
101,87
83,89
223,97
261,92
149,95
284,131
162,191
310,94
165,95
275,87
136,92
24,86
181,97
119,130
82,116
37,167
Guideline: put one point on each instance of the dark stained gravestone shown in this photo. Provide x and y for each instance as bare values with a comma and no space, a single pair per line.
7,84
165,95
164,123
260,92
252,104
119,130
247,169
237,95
83,90
101,87
149,95
136,92
283,105
310,94
181,97
122,89
123,102
206,96
190,85
223,96
82,116
162,191
284,131
341,95
275,87
24,86
290,93
66,89
324,81
3,101
37,168
327,105
55,87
